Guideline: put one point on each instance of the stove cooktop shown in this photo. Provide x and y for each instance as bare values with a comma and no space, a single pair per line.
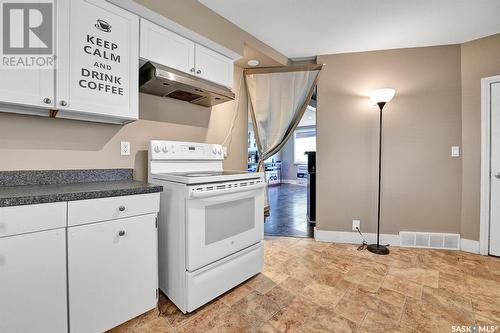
209,173
200,177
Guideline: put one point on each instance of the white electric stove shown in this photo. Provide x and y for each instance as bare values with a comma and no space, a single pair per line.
211,222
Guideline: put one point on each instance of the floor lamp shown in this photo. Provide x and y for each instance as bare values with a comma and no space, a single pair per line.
380,97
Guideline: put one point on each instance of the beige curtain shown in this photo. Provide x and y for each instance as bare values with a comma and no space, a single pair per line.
278,98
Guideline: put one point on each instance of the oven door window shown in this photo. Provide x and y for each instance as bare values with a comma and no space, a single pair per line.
220,225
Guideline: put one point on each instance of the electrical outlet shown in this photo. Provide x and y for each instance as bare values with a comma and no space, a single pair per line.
356,224
125,148
224,149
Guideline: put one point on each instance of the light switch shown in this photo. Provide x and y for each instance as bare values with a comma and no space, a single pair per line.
455,151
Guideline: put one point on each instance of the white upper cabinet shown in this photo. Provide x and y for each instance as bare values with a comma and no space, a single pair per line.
165,47
213,66
98,60
170,49
27,87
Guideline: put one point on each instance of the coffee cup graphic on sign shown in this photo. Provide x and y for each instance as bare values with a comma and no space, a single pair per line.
103,25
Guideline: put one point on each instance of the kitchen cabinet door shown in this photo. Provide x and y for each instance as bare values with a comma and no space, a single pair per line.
166,48
98,61
33,282
213,66
27,87
112,272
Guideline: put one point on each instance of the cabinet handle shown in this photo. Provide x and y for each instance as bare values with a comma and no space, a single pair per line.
63,103
192,70
121,208
47,100
198,71
121,233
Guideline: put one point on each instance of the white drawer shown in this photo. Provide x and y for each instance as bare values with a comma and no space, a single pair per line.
16,220
103,209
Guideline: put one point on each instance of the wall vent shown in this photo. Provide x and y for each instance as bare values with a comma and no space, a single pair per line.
430,240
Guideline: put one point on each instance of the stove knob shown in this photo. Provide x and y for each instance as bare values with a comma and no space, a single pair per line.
164,149
214,150
219,151
156,149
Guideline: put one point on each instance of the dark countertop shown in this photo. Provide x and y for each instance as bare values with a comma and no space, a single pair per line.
26,187
35,194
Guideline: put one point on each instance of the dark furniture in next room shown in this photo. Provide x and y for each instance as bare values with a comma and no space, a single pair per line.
311,186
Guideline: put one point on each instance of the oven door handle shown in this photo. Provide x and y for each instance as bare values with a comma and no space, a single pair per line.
213,193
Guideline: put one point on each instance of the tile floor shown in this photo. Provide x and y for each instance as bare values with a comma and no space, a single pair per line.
288,211
309,286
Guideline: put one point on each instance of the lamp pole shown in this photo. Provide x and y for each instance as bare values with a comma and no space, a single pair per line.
377,248
380,97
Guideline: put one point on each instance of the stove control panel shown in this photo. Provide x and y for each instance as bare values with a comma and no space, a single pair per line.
177,150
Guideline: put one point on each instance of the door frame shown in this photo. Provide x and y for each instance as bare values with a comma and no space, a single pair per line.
484,233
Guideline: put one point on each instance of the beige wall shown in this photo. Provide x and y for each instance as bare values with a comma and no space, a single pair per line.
480,58
31,142
422,183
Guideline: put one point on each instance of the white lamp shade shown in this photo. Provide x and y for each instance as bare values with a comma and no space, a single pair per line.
382,95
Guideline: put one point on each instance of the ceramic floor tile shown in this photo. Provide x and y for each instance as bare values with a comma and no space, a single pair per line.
453,283
324,295
158,324
427,277
289,319
261,283
268,328
429,317
445,298
293,285
281,296
487,307
256,308
403,286
390,296
365,278
357,302
375,322
236,294
323,320
308,286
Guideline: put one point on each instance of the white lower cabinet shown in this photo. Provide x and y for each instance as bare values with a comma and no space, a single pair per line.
33,282
112,272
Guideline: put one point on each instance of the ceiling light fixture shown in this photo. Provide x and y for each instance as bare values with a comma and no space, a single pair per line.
253,62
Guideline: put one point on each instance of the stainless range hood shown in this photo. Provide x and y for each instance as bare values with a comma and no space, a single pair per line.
159,80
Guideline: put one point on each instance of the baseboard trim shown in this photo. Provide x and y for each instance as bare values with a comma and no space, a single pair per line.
348,237
469,245
354,237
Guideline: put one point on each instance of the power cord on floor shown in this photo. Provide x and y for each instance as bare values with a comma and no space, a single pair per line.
364,244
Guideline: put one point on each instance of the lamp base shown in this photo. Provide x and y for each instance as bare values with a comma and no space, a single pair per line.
378,249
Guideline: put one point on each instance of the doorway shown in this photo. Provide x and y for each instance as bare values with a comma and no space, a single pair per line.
490,166
290,192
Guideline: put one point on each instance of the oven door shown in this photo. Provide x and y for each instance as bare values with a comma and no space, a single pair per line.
222,223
